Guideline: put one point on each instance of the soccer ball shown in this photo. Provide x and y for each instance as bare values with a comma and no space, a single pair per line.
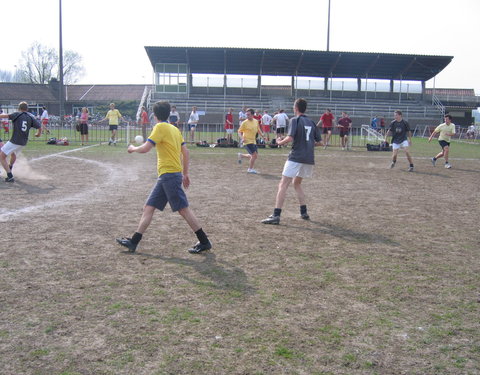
138,139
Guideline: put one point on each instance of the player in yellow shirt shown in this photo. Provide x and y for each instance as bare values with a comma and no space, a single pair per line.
172,160
113,116
248,133
446,131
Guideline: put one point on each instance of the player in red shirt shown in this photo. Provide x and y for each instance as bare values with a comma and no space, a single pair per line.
229,125
344,125
327,123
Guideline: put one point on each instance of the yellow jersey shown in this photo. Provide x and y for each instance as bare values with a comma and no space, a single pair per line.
113,116
443,129
168,143
249,128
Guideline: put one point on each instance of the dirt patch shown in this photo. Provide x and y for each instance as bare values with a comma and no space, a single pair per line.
383,279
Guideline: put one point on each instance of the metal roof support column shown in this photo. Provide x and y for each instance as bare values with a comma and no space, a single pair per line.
423,90
400,91
224,77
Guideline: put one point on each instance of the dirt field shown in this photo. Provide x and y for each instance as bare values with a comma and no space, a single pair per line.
385,278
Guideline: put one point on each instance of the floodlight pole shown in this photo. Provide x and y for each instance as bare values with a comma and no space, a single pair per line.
328,28
60,64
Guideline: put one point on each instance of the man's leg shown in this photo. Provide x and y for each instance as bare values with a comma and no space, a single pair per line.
394,157
3,161
409,157
297,184
203,241
13,159
132,243
253,157
282,191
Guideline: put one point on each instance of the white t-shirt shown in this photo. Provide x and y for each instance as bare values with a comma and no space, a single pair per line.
44,115
281,119
242,116
266,119
193,119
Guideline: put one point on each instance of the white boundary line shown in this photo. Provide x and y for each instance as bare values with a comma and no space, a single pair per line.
113,175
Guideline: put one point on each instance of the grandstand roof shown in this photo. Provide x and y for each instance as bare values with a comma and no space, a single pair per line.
281,62
103,92
26,91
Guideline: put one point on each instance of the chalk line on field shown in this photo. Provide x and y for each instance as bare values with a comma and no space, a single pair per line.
111,172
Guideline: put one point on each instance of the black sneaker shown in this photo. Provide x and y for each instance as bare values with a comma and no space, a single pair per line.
199,247
127,242
305,216
9,179
275,220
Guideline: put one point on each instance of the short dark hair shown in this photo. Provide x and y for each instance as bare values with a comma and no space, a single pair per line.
251,111
23,106
161,110
301,105
398,112
449,116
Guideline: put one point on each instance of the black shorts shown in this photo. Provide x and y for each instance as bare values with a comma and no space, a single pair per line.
280,130
83,129
113,127
251,148
443,144
343,133
326,130
168,189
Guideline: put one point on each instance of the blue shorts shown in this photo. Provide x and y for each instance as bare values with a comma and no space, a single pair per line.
251,148
443,144
168,189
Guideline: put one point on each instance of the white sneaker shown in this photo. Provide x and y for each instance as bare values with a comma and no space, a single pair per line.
253,171
448,166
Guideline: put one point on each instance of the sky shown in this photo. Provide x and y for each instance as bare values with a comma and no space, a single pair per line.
111,35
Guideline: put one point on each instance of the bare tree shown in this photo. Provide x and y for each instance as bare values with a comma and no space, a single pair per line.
39,64
72,68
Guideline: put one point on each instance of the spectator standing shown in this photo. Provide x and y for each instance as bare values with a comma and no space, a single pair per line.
281,121
84,126
229,126
266,124
44,119
192,123
327,123
242,116
144,122
344,125
174,117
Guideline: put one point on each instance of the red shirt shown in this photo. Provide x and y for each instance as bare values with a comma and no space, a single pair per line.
145,118
344,122
228,121
258,118
327,120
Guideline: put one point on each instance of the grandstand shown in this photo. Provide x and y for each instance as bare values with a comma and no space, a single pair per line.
362,84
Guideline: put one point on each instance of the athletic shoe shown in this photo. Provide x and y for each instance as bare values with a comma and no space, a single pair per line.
433,161
305,216
239,157
114,143
252,171
410,169
9,179
199,247
127,242
275,220
448,166
392,164
109,142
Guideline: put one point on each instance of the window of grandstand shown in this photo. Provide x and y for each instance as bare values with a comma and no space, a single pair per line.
207,80
309,83
409,87
171,78
243,81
